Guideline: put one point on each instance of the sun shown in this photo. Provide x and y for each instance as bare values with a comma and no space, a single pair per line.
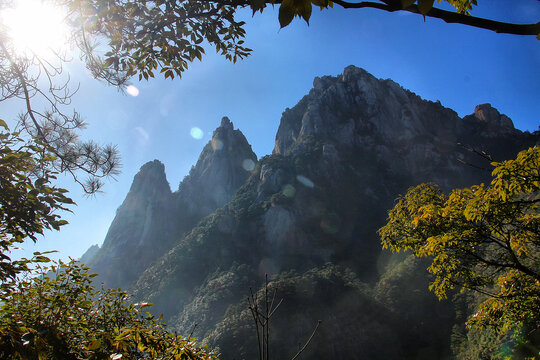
36,27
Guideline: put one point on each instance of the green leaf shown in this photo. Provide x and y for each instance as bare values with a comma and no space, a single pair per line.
305,10
286,13
94,345
257,5
41,259
3,124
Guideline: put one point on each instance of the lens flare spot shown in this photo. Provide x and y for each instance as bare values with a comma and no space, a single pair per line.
289,191
248,165
305,181
132,90
196,133
142,135
216,144
330,223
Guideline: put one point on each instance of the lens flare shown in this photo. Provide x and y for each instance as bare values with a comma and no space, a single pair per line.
289,191
248,164
217,144
132,90
305,181
196,133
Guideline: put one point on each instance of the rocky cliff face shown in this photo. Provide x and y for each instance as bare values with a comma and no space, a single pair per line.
223,166
378,119
152,218
140,230
89,255
308,215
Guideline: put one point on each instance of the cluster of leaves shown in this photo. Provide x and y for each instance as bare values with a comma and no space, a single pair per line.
28,200
57,313
162,35
302,8
462,6
482,238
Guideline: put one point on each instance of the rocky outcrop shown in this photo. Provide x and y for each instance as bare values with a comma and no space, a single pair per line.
142,228
89,255
152,218
380,121
223,166
490,122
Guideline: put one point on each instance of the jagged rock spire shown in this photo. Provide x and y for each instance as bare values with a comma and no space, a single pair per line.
151,218
223,166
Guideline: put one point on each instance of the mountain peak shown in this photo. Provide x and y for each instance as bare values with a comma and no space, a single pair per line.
153,166
150,177
89,254
490,121
356,108
352,71
223,166
488,114
226,123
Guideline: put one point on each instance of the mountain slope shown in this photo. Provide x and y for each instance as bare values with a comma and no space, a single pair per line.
152,218
308,215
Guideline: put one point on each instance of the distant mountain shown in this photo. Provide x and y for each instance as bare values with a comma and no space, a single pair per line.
307,215
89,254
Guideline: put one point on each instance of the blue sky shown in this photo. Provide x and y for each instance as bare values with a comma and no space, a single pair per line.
458,65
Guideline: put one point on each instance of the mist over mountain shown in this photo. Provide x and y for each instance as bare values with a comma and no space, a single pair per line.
307,215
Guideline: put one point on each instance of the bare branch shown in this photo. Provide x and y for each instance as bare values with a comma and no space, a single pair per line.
451,17
308,341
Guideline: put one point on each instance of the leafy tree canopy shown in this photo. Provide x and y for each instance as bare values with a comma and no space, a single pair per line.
58,314
484,238
28,201
165,35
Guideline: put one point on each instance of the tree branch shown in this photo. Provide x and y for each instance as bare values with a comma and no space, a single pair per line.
452,17
22,81
308,341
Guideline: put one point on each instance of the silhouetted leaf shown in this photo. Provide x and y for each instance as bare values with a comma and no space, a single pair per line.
425,5
286,13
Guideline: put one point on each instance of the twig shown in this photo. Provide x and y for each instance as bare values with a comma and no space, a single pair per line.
308,341
192,330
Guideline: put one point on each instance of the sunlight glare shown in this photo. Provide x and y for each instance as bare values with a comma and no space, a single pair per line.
36,26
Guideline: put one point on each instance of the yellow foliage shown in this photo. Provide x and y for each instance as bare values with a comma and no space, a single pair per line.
482,238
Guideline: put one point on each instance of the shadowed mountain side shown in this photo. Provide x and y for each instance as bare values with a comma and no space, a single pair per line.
152,219
223,166
142,228
342,155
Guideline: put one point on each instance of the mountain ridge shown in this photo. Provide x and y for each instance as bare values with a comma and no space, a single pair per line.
152,217
307,215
